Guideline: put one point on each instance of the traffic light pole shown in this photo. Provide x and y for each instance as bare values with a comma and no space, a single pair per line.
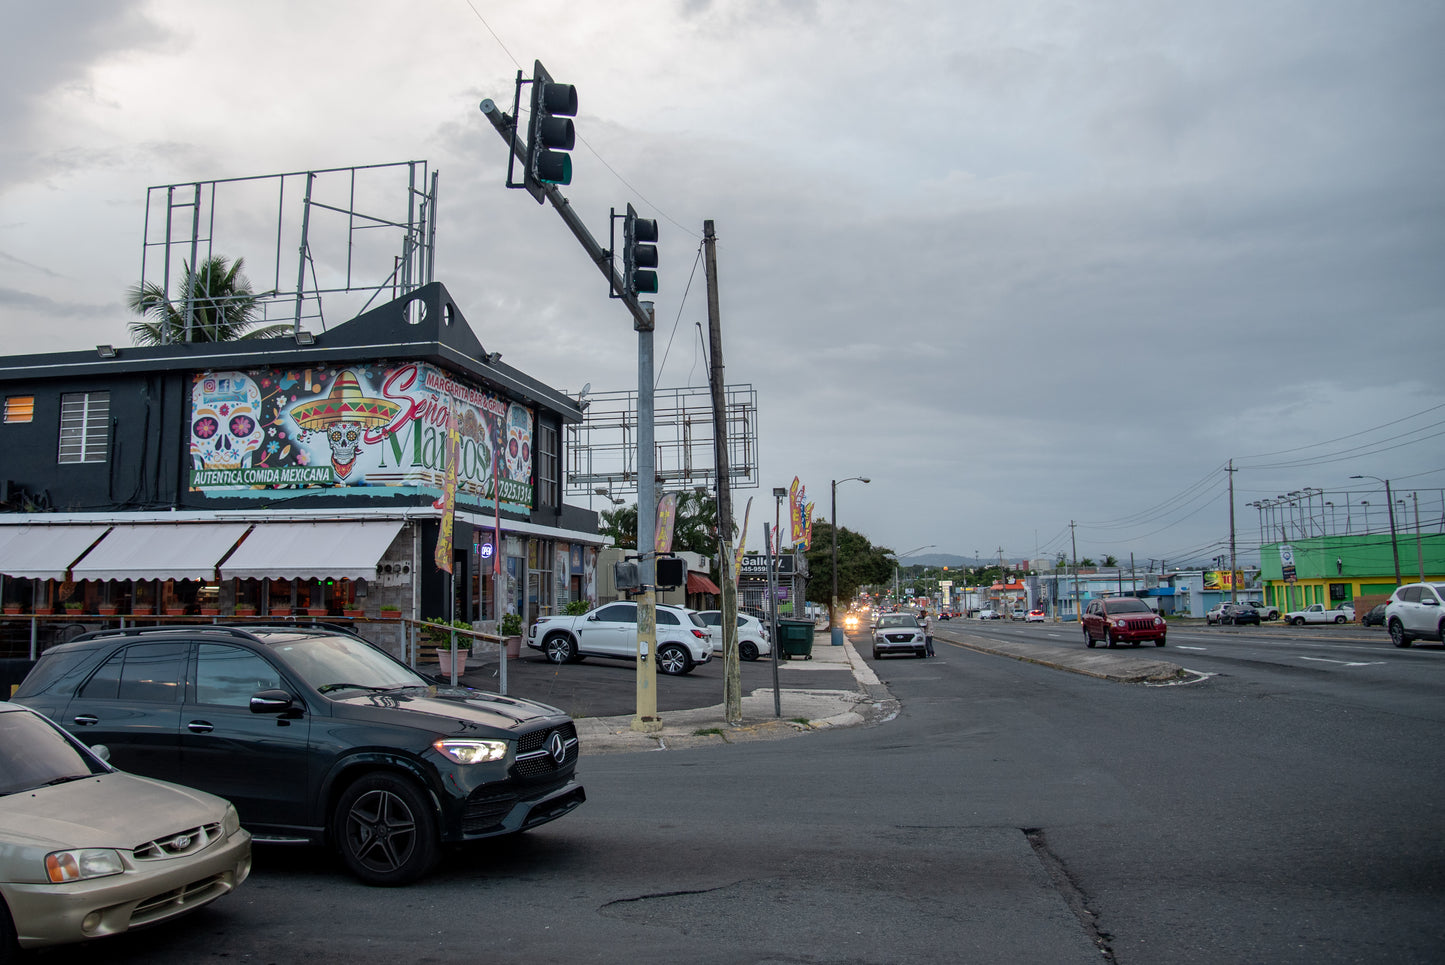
601,257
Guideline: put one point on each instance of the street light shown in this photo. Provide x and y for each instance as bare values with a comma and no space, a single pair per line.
833,604
1390,505
918,549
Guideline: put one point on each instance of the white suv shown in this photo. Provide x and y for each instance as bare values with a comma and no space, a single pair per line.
1416,611
752,634
611,631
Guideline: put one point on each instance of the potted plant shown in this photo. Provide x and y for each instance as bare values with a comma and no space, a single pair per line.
175,609
107,609
390,611
210,611
316,611
74,606
354,612
245,609
438,634
511,632
12,608
280,611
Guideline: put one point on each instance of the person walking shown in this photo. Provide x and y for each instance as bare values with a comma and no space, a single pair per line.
927,622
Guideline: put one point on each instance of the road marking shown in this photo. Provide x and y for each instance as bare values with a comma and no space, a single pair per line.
1346,663
1191,648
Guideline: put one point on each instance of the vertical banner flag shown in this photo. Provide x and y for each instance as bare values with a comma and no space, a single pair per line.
795,512
449,488
808,526
742,544
666,520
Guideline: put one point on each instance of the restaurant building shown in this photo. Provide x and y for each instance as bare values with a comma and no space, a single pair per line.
291,475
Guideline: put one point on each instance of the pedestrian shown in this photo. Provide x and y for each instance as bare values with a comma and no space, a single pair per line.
927,632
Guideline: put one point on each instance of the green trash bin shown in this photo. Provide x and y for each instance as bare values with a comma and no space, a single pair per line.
796,639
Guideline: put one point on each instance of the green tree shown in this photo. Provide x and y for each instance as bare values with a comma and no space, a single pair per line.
860,563
620,523
1086,562
1111,561
694,529
223,307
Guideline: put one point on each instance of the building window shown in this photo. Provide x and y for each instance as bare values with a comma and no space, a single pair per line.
84,426
548,459
19,408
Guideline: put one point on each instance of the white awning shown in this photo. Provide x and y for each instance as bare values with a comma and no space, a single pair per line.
44,552
160,551
305,551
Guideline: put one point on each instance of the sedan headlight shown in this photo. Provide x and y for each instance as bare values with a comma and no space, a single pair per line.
471,751
231,823
82,863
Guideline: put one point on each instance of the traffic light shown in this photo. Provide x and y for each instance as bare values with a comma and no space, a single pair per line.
639,253
549,133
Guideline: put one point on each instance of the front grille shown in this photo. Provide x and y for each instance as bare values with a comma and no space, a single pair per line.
188,841
1147,623
534,751
485,811
898,637
166,904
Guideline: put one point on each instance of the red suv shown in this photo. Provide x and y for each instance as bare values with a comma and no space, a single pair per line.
1122,620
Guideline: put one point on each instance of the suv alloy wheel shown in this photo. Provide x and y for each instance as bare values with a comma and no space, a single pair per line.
673,659
1398,636
559,649
1088,638
385,830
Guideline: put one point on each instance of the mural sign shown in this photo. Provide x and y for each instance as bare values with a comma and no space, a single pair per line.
368,429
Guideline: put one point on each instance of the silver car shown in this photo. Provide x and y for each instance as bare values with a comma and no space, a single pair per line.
898,633
1416,611
88,851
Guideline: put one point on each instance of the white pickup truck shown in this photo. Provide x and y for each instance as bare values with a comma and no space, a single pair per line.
1318,614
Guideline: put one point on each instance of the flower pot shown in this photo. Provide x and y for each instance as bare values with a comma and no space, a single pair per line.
444,660
514,647
245,611
391,614
12,609
210,611
107,611
354,614
175,611
280,611
316,611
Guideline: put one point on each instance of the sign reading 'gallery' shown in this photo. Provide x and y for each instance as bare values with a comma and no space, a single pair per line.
376,428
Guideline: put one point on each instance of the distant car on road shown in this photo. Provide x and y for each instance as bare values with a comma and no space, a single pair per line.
987,613
1376,616
1266,612
1238,614
1317,613
1123,619
899,633
1035,616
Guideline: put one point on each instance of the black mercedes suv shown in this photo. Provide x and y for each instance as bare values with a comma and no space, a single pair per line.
316,736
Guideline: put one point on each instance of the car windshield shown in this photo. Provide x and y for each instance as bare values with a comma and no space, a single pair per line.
896,620
324,662
1128,606
34,753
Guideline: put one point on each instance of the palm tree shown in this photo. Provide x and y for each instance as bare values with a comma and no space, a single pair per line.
223,307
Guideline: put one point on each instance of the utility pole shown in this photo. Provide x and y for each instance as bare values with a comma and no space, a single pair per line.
1233,572
732,668
1419,551
1074,544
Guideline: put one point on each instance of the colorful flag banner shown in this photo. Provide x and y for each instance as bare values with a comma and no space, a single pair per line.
443,555
795,511
808,526
666,520
742,544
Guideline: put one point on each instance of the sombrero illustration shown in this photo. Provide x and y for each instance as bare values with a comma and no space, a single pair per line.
344,403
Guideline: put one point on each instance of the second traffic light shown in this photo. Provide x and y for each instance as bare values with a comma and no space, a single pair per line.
549,133
639,254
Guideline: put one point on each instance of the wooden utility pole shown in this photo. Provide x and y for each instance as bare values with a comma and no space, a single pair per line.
1233,565
732,669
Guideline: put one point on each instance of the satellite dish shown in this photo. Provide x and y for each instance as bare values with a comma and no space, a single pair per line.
585,389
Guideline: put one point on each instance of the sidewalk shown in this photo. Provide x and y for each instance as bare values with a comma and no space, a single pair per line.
803,711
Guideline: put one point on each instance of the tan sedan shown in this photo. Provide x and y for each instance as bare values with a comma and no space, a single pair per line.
88,851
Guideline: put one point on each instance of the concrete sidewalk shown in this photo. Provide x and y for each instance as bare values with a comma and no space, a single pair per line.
802,711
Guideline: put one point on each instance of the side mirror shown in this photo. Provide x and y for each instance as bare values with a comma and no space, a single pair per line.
271,702
1429,601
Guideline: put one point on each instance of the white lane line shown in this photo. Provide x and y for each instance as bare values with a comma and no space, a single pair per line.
1191,648
1346,663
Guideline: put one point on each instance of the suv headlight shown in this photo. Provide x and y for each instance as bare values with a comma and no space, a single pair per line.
471,751
82,863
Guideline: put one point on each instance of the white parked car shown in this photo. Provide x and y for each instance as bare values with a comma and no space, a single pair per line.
987,613
752,634
899,633
1215,614
611,631
1318,614
1416,611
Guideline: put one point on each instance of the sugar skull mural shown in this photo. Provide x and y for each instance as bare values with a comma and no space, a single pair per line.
226,425
519,442
343,415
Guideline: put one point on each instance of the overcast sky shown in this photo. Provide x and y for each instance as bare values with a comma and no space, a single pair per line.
1019,263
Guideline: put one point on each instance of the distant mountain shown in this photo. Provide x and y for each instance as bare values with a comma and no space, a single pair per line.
951,561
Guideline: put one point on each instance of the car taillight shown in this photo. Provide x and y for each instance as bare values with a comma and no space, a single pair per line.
699,634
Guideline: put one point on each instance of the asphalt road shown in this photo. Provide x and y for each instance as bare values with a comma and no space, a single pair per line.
1276,812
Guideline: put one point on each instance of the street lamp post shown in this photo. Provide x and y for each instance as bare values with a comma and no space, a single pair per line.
1390,505
833,600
